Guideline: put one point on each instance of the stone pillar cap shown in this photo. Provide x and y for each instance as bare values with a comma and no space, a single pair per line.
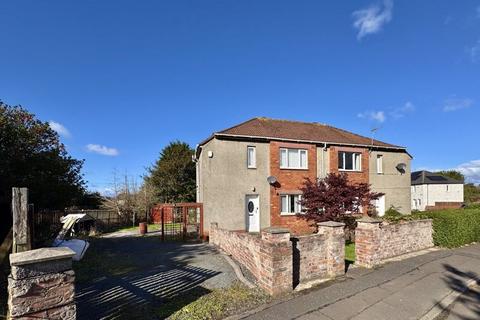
370,220
276,230
40,255
332,224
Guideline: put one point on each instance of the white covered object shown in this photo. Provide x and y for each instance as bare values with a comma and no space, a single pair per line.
77,245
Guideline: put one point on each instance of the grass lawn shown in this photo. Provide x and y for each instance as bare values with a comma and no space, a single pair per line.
150,227
350,252
221,303
154,227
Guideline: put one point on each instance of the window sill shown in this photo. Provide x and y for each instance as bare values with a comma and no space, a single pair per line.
304,169
345,170
288,214
251,167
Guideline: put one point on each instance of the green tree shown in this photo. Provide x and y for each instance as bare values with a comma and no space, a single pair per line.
32,156
471,193
172,177
454,174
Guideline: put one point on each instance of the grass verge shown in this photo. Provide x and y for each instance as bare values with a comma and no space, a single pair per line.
221,303
350,252
150,227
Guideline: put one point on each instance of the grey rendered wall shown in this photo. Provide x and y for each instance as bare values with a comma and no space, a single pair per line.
395,185
224,180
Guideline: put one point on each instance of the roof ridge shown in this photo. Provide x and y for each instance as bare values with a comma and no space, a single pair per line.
358,135
285,128
294,121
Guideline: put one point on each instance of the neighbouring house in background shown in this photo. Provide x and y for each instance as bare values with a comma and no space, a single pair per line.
432,191
249,176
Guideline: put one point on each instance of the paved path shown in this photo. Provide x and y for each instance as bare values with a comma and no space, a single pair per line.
408,289
466,307
145,278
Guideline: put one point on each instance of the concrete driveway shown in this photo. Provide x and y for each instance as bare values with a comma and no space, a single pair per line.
143,278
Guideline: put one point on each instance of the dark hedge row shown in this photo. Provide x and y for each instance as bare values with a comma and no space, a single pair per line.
455,227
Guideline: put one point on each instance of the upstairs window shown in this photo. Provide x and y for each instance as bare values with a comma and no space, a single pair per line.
349,161
293,158
251,158
380,164
290,204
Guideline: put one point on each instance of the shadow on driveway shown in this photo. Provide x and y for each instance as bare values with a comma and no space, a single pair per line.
143,278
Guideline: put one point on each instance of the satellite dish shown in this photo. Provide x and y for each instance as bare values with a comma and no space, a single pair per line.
402,167
272,180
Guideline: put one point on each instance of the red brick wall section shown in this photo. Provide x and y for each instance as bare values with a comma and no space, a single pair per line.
321,255
354,177
277,265
376,241
268,257
444,205
290,181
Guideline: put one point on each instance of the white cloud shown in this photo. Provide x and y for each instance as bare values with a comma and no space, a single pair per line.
400,112
372,19
454,104
103,150
373,115
381,116
474,52
59,128
471,170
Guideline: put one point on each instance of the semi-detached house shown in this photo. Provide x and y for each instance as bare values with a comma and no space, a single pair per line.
249,176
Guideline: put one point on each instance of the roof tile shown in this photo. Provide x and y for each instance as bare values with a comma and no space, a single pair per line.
302,131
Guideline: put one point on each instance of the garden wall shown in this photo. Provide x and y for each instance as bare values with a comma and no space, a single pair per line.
41,284
279,262
377,240
319,256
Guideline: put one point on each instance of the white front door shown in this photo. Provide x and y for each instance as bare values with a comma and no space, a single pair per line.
380,206
252,208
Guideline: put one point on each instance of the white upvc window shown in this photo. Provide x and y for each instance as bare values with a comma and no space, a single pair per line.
379,164
293,158
349,161
251,157
290,204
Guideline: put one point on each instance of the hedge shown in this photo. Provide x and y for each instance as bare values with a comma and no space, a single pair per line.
454,227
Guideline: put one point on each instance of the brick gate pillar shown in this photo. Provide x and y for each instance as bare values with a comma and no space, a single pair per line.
335,241
367,242
276,257
41,284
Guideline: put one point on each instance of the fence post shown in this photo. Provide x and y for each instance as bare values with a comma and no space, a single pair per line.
21,226
163,223
202,235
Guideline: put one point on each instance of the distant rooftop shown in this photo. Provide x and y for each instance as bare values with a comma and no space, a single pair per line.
427,177
299,131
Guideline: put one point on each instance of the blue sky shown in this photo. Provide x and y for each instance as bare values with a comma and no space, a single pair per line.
120,79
